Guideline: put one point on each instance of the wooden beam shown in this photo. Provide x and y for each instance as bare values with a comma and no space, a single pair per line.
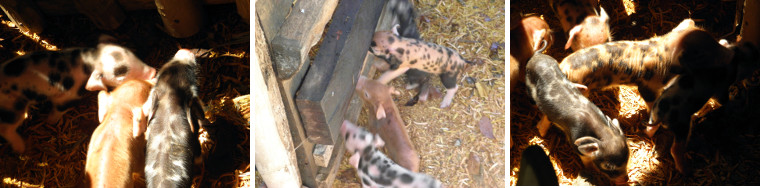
24,14
301,30
272,14
65,7
182,18
244,9
274,149
330,81
105,14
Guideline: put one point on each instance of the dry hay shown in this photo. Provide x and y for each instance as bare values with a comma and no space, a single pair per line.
56,156
723,148
445,138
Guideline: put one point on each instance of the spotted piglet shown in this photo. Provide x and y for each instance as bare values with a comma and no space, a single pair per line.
599,140
715,70
116,153
585,22
404,53
373,167
59,79
175,114
387,121
647,64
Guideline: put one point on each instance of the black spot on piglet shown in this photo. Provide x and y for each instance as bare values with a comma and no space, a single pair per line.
7,117
406,178
15,67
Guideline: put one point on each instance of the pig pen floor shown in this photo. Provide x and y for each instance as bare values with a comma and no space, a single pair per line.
449,141
56,153
724,149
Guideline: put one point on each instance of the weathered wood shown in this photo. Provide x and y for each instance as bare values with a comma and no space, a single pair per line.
65,7
106,14
244,9
182,18
322,154
332,76
306,165
301,30
24,14
326,175
272,14
750,30
275,155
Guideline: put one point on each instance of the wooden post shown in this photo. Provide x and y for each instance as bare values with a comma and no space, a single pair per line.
106,14
301,30
182,18
24,14
244,9
750,30
65,7
274,149
272,14
331,79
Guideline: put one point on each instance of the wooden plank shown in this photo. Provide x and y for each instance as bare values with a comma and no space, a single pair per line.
65,7
24,14
330,81
272,14
301,30
275,155
750,30
244,9
182,18
105,14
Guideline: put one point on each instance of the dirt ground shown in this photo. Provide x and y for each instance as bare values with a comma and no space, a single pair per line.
724,147
445,138
56,157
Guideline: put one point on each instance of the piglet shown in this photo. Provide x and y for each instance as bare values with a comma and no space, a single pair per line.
531,34
373,167
388,122
175,114
116,153
59,79
585,22
599,140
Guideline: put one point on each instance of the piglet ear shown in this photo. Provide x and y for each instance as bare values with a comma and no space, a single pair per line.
103,103
354,160
575,31
378,142
588,146
138,127
603,15
380,112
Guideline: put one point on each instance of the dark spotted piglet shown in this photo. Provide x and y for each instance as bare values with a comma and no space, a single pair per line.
59,79
373,167
600,141
117,146
585,22
388,122
407,53
407,27
717,68
175,114
526,39
648,64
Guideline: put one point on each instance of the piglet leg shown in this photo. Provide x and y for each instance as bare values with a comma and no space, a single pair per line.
391,74
449,96
354,160
13,138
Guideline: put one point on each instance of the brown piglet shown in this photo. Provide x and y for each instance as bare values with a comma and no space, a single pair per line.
116,153
386,121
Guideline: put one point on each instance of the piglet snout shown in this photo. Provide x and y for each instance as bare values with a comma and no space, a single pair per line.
622,180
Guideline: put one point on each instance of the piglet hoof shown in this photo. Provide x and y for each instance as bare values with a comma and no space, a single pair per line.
445,104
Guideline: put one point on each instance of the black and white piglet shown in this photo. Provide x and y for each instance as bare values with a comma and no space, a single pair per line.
59,79
373,167
600,141
175,114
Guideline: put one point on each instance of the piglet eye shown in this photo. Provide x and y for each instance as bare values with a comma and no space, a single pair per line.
366,94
